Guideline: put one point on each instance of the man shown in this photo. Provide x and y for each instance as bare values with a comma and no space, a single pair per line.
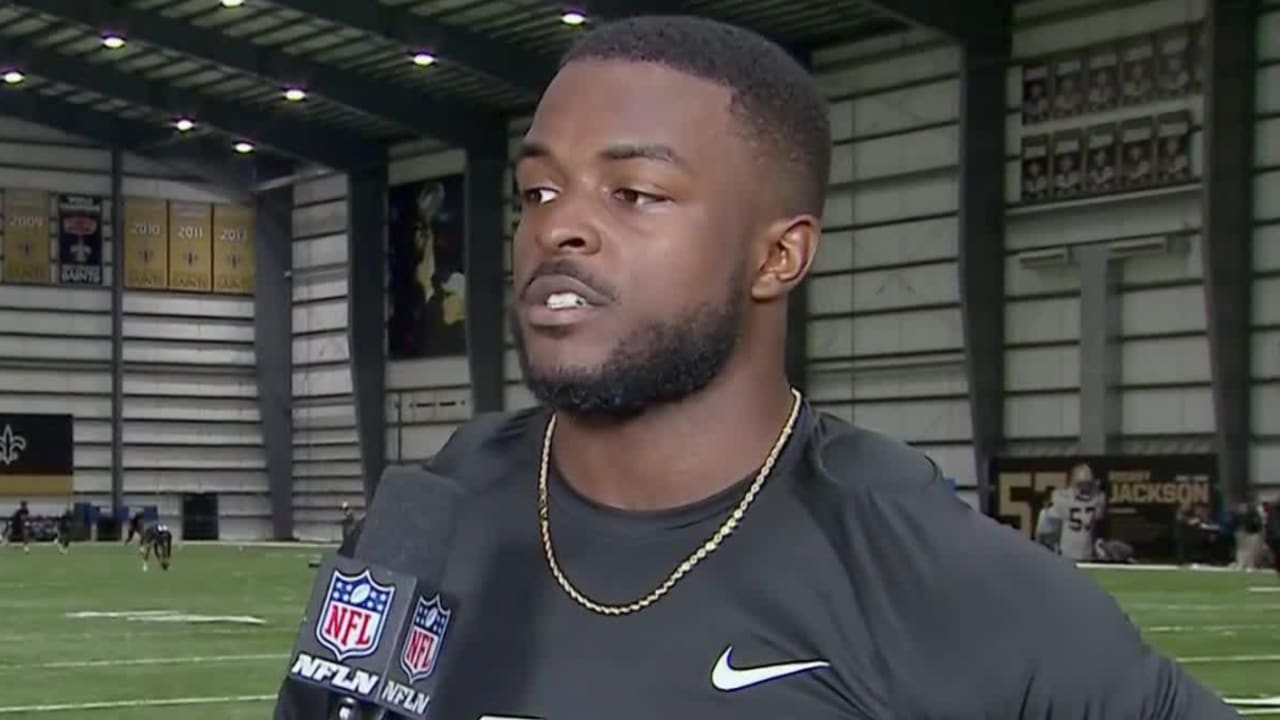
64,531
1048,524
19,530
1079,508
348,521
157,538
1272,532
675,533
136,524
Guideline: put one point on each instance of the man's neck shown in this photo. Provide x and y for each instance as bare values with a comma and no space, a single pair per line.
675,454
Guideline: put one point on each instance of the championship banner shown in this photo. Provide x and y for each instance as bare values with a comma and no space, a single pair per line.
1142,494
37,455
233,262
190,249
146,244
80,240
26,237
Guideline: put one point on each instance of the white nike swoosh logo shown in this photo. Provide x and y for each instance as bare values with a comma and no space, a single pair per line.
727,678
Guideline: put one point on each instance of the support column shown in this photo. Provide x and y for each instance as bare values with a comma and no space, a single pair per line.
485,294
273,347
1100,366
1228,230
366,324
985,59
117,329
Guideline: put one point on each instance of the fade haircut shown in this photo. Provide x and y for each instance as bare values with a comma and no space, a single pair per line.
774,97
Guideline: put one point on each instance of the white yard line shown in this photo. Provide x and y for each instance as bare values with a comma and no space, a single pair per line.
115,704
1207,628
1269,589
1228,659
1262,701
143,661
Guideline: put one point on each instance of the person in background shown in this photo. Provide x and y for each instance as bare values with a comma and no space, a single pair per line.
64,531
20,527
157,538
1272,533
1048,524
1247,521
348,521
136,525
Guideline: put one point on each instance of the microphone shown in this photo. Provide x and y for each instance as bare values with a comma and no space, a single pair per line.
375,624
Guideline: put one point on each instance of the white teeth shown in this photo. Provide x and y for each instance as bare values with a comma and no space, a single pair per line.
564,300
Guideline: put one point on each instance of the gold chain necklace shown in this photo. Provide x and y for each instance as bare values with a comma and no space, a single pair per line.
726,529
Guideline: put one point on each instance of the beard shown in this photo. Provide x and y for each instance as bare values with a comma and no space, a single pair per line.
657,363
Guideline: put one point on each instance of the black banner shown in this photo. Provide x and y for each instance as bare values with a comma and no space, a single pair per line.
80,240
37,454
1143,493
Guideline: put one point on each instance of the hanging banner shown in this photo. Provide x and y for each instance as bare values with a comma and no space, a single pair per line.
80,240
36,455
190,249
426,274
146,244
1142,495
233,261
26,237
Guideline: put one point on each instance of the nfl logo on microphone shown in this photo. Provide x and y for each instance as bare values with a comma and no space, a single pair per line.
426,634
354,614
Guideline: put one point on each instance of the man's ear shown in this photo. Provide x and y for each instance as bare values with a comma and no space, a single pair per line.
789,247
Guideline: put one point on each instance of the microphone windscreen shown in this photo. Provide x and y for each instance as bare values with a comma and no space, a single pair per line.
409,525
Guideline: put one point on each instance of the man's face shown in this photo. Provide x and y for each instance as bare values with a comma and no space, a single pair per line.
630,257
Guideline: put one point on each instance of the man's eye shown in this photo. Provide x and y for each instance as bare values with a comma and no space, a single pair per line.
538,196
635,197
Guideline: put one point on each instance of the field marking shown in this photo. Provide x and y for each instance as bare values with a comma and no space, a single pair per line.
162,616
1228,659
1259,711
67,664
1207,628
115,704
1263,701
1271,589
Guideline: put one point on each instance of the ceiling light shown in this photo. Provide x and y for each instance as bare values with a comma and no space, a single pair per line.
243,147
112,41
184,124
13,77
573,17
423,58
295,94
232,3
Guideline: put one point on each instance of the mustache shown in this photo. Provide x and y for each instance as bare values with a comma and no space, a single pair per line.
568,268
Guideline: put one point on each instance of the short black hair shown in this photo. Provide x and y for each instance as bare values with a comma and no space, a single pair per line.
774,96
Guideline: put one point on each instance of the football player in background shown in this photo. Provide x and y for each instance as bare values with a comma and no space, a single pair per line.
135,528
157,538
64,531
1079,507
19,528
1048,525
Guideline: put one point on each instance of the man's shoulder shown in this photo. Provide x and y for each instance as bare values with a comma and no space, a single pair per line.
855,458
484,445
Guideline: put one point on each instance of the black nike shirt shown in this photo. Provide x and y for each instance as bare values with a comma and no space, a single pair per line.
856,586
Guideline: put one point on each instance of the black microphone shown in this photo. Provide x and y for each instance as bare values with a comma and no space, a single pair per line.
376,621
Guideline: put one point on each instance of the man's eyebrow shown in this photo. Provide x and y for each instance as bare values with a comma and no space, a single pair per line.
532,149
658,152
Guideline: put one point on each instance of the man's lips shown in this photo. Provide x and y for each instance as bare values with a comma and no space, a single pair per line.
544,286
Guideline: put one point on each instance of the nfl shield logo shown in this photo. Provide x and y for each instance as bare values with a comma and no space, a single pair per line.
426,634
354,614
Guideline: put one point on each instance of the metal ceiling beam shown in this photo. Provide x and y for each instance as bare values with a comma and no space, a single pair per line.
293,136
946,16
450,120
198,158
523,68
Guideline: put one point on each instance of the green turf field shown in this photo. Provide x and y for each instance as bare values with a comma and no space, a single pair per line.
57,663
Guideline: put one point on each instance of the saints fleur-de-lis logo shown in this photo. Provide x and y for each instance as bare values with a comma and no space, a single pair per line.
81,251
191,257
147,254
235,261
11,446
27,247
